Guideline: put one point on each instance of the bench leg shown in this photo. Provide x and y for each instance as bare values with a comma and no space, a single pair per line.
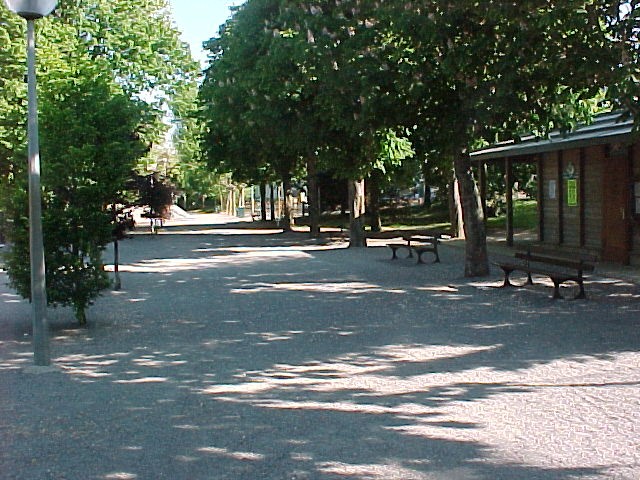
581,294
529,279
393,253
435,251
556,289
437,260
506,282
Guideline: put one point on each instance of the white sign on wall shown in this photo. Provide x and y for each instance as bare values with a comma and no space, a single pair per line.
552,189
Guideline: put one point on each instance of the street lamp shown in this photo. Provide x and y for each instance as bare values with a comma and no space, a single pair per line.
31,10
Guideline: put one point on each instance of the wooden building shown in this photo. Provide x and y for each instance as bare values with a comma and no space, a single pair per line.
588,187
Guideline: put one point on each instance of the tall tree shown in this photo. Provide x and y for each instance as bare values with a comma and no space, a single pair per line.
89,141
246,100
485,70
13,107
456,74
97,61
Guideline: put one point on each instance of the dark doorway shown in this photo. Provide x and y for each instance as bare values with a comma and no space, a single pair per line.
616,238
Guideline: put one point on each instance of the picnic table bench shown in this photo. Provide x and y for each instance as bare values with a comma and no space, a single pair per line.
418,244
558,269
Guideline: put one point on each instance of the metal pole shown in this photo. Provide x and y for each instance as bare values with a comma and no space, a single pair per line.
36,248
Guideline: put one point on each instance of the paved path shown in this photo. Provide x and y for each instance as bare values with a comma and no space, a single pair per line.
231,354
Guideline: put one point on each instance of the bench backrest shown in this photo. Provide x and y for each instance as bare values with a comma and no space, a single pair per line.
579,264
536,249
421,238
426,232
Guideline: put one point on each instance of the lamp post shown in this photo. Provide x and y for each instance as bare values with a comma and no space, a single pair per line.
31,10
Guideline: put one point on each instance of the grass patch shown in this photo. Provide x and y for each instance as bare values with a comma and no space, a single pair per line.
393,218
416,217
525,216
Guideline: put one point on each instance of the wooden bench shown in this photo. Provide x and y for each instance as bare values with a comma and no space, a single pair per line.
557,268
418,244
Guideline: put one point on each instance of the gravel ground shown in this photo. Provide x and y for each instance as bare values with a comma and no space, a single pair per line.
238,354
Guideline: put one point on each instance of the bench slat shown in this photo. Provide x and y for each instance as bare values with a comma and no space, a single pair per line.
561,262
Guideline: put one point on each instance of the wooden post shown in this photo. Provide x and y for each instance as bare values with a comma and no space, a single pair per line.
482,177
581,196
540,196
560,195
509,197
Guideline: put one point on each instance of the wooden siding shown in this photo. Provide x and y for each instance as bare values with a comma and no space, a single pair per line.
593,164
550,210
563,224
635,173
570,214
605,220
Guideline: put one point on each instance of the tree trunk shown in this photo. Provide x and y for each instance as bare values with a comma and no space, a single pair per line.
80,311
374,202
263,201
116,265
455,210
272,204
313,196
356,216
234,203
287,216
476,258
427,187
427,197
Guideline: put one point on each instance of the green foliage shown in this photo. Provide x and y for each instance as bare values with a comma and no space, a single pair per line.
293,79
289,78
96,62
246,104
623,82
393,150
90,145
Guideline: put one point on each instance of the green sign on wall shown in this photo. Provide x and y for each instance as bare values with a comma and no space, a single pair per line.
572,192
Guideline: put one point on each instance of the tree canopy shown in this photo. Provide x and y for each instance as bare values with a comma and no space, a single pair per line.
289,80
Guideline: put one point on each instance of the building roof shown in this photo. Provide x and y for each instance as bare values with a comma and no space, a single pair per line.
606,128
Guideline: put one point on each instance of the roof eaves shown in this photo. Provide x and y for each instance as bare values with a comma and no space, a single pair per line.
605,129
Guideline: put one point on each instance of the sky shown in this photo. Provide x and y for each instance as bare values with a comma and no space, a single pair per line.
198,20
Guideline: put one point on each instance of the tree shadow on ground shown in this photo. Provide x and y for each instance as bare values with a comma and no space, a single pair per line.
331,364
